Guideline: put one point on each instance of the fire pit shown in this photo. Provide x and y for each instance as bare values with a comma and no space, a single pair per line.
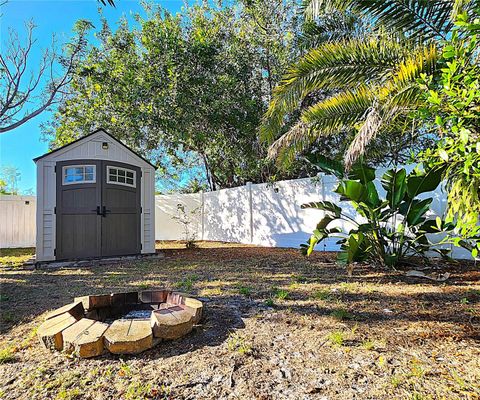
120,323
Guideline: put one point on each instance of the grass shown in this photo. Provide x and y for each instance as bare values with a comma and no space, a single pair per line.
244,290
69,394
280,294
138,390
298,334
368,344
324,295
15,257
336,338
7,355
341,314
187,283
237,343
269,302
211,292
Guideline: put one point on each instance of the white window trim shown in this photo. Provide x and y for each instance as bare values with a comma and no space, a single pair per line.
94,180
122,183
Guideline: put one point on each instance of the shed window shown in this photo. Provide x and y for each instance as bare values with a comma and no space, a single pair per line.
74,174
121,176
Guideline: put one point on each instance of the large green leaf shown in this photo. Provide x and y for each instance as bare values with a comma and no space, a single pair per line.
417,210
395,183
352,190
373,200
323,223
329,166
423,181
325,206
362,173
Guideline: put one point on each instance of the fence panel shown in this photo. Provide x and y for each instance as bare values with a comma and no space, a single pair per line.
17,221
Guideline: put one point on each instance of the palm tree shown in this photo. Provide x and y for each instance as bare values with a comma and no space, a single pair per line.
369,81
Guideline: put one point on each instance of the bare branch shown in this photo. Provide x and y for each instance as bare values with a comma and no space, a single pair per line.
17,91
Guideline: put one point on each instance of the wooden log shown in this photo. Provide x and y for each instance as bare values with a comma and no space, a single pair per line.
94,301
128,336
154,296
85,338
171,323
193,305
75,309
50,332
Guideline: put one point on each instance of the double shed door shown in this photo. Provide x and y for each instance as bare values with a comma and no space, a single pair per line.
98,209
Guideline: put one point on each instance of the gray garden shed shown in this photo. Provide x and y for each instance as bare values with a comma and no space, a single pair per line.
95,198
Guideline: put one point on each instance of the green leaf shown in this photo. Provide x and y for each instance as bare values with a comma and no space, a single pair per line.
329,166
325,206
417,211
394,182
424,181
352,190
372,200
362,173
323,223
443,155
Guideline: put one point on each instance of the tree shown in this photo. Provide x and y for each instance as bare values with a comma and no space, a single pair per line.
9,180
452,110
188,90
25,94
368,81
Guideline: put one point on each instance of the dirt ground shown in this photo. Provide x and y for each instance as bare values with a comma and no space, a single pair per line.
276,326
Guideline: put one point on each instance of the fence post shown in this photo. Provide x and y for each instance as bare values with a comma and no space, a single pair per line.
250,209
202,212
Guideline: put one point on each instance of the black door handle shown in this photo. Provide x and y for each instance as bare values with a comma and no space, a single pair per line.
104,211
97,210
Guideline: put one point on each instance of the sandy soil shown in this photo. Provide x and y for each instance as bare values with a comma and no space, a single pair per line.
276,326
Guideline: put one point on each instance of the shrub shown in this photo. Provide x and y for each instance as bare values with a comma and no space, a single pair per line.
392,228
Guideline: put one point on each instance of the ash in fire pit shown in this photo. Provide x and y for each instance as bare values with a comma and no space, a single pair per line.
121,323
137,314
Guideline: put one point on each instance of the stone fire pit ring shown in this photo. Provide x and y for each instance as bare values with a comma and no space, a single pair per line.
119,323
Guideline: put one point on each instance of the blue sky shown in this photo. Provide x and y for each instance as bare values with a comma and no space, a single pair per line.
19,146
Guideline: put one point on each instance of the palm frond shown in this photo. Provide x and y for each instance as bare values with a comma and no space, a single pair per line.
368,110
332,26
332,66
426,18
336,113
369,129
396,99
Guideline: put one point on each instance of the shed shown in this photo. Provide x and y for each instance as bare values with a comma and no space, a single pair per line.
95,198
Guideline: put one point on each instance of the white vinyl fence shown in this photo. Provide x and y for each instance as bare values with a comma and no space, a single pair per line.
17,221
260,214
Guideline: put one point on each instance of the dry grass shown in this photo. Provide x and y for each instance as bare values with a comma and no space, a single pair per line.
276,326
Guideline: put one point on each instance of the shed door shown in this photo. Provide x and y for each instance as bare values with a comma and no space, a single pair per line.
98,209
121,215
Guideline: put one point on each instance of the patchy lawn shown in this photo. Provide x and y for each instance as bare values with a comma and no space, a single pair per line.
15,257
276,326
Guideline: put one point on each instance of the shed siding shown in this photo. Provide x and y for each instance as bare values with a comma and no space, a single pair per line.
90,148
148,201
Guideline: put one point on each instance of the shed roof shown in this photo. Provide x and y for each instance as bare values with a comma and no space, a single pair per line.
91,134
